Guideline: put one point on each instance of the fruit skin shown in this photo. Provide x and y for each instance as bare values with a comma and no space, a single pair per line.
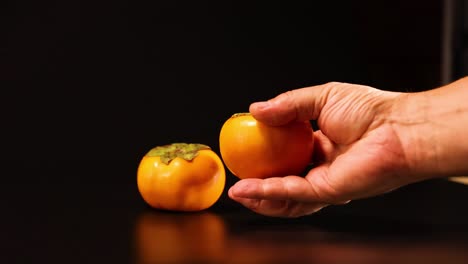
181,184
251,149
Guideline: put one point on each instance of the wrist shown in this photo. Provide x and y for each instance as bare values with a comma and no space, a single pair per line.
410,120
432,127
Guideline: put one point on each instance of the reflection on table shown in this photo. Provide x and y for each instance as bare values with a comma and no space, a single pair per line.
207,237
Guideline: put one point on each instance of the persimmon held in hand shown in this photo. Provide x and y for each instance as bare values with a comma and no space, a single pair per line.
181,177
251,149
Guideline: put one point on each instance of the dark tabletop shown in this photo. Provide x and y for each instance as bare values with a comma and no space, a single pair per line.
59,215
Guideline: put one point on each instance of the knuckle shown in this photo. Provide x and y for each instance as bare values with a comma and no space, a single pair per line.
333,83
321,187
286,97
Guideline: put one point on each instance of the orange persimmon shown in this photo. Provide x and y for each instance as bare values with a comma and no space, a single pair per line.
251,149
181,177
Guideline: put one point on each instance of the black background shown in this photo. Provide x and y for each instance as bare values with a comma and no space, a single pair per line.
88,87
108,80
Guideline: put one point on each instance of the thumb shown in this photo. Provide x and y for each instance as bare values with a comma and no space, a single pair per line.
301,104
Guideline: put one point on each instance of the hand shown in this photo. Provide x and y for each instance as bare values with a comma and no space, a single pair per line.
357,152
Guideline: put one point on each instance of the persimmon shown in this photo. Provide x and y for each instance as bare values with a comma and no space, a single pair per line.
251,149
181,177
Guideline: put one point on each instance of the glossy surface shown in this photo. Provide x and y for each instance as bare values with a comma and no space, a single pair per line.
182,185
78,220
251,149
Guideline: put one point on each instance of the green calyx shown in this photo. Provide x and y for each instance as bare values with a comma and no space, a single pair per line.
186,151
240,114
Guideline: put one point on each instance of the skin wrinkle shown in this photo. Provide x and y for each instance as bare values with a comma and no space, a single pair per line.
329,192
405,168
300,114
336,170
287,97
324,97
385,179
283,206
369,98
375,122
290,208
254,204
295,210
382,182
394,120
265,187
366,101
296,107
322,148
435,126
315,174
331,108
277,207
405,126
308,191
361,109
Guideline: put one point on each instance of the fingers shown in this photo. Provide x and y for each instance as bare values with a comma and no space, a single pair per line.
300,104
280,208
290,196
277,188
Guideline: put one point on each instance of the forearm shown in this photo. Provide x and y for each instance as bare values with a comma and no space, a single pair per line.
433,129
